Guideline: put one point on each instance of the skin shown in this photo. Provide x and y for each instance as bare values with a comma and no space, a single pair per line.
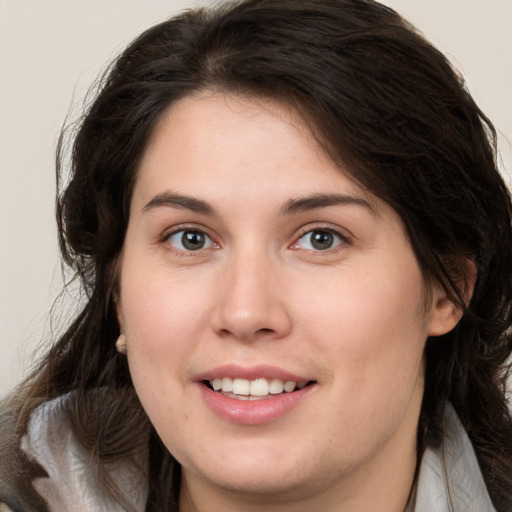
352,317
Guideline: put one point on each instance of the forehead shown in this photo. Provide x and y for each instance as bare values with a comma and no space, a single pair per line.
222,143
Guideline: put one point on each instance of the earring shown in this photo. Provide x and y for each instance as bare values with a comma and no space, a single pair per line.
121,344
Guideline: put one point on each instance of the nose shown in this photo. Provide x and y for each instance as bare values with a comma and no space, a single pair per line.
251,302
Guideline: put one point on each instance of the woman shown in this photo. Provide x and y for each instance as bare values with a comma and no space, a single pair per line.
295,247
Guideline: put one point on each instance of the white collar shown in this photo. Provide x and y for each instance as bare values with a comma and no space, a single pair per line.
450,479
71,485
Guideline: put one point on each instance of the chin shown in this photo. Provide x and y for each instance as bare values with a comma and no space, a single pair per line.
262,486
265,480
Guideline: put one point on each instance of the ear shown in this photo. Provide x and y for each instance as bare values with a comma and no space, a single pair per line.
445,313
119,312
116,289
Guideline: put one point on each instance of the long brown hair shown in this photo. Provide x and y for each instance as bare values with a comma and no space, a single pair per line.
378,98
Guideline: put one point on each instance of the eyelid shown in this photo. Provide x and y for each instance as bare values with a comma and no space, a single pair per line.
188,227
343,234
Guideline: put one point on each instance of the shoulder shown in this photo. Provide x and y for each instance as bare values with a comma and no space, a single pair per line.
17,469
450,476
48,469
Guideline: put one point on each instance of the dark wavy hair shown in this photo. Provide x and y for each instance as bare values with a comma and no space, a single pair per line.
382,103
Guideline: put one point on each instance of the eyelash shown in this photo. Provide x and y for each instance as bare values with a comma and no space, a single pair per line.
188,229
340,239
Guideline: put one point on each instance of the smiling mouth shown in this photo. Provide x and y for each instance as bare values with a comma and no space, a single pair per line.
257,389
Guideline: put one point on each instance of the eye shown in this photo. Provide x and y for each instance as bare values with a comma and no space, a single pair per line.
190,240
319,240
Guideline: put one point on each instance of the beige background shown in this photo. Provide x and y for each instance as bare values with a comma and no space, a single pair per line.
51,51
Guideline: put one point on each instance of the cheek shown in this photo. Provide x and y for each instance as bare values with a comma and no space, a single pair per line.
161,320
158,304
371,328
162,315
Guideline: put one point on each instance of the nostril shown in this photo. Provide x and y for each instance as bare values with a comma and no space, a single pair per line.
265,331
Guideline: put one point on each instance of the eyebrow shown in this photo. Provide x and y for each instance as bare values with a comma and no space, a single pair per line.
292,206
316,201
171,200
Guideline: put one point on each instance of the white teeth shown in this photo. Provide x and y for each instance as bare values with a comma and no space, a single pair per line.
289,386
240,387
259,387
227,384
256,387
276,386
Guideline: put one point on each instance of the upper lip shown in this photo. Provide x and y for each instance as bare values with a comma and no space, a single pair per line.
251,373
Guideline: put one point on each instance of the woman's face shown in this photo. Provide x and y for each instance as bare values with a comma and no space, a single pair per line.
274,311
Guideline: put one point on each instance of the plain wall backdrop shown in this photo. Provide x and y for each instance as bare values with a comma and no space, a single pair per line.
50,53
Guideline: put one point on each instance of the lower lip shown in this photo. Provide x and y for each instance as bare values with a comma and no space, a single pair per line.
253,412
